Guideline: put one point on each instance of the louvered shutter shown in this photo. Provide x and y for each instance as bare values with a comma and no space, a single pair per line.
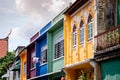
56,51
61,48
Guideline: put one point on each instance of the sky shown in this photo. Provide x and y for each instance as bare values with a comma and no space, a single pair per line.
26,17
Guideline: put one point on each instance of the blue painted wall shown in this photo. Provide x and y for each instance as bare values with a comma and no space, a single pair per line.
37,55
40,42
44,29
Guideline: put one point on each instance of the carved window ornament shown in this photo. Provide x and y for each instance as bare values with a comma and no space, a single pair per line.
90,27
81,32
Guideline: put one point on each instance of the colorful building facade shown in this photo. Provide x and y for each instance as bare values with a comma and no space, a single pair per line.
49,48
16,66
79,32
42,53
107,52
31,53
23,67
55,41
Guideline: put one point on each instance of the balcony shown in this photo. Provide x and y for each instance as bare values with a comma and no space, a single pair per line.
108,40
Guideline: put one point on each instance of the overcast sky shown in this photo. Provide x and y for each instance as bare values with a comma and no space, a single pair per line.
26,17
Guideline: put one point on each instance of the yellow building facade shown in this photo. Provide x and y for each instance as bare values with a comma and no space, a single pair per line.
23,68
79,31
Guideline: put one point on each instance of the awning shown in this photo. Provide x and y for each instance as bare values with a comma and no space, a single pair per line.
78,65
5,75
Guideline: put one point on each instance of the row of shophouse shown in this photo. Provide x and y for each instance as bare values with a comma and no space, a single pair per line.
80,43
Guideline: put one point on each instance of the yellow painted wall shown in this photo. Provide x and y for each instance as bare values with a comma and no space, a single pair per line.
23,60
81,51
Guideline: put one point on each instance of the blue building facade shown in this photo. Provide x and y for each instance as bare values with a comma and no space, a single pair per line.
41,52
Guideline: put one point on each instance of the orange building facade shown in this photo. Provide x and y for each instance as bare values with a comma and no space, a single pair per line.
23,70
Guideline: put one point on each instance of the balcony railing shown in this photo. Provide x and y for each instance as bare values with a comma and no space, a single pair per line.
108,39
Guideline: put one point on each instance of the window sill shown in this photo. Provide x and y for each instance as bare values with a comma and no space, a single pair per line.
74,47
58,58
33,68
81,43
43,64
89,39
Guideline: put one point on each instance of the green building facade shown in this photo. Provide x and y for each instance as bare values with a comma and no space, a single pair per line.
56,48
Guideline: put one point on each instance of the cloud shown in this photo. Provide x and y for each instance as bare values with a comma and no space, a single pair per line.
41,12
24,32
44,9
7,10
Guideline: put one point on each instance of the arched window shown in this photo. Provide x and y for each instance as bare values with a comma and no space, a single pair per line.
74,35
90,27
81,32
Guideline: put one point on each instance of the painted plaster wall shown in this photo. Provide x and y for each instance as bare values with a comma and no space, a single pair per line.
50,50
81,51
30,72
41,69
58,64
45,28
23,60
51,37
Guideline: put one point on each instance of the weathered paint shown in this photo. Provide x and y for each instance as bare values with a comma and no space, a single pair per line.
119,12
80,52
23,61
111,69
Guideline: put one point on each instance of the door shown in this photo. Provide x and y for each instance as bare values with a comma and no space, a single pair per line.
111,69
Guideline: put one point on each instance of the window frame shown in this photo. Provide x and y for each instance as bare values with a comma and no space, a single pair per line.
44,52
74,34
58,43
90,27
33,64
90,32
82,32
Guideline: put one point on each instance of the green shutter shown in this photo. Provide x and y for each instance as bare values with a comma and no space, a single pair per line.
118,12
111,69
